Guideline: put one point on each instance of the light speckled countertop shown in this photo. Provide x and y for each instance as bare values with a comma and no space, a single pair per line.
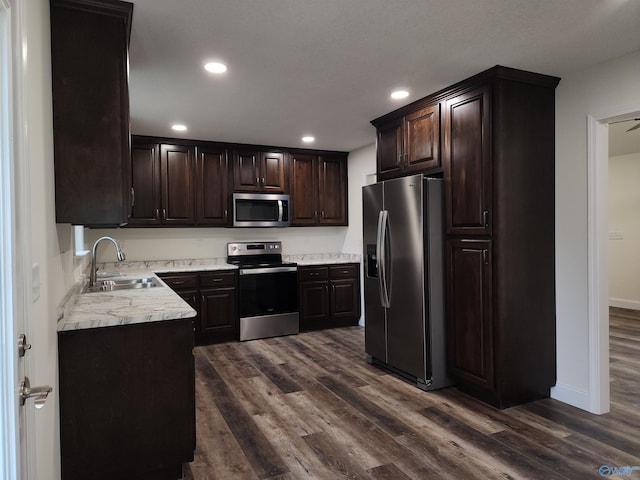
123,307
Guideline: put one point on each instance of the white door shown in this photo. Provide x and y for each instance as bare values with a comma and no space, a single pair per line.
16,421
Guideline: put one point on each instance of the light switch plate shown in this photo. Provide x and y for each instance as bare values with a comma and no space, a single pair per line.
35,282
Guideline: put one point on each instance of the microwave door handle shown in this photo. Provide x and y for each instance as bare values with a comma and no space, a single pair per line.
280,210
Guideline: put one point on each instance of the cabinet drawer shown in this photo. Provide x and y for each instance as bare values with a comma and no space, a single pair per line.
180,281
349,270
226,279
310,274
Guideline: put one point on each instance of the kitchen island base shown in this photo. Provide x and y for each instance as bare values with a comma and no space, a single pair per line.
127,400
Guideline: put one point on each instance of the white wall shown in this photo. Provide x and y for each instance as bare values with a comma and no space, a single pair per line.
593,91
624,228
362,162
183,243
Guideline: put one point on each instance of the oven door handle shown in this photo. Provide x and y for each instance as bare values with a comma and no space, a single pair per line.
258,271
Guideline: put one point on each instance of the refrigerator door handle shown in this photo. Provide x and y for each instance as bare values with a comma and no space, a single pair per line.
381,245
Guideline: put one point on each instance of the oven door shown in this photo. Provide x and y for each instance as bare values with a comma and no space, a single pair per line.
268,302
268,291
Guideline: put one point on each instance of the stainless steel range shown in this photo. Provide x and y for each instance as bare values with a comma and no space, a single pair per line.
268,290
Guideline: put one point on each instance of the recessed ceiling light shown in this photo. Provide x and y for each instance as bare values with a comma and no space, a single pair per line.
398,94
215,67
308,139
178,127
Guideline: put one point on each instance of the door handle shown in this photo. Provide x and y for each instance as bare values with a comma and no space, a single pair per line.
381,257
40,393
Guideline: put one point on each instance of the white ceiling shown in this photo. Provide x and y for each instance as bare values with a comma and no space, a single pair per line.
327,67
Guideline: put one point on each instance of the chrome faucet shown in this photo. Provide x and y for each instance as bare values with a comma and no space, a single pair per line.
93,274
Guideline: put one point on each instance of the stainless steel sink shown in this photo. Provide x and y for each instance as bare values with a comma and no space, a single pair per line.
122,284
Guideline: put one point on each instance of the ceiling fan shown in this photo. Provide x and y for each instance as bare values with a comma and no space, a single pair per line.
636,126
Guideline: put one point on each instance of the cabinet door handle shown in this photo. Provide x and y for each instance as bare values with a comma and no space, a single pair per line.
217,279
322,214
157,215
133,197
485,218
164,213
485,256
225,214
178,282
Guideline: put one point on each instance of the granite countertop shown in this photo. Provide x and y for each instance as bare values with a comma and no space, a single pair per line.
323,258
104,309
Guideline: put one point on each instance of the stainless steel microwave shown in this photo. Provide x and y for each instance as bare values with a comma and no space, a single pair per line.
261,210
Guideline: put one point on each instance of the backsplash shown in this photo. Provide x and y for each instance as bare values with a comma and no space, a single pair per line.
141,244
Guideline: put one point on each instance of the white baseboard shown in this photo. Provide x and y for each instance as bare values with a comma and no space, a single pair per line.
620,303
571,395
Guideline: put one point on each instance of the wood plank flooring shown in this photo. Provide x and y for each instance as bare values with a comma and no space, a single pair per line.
309,407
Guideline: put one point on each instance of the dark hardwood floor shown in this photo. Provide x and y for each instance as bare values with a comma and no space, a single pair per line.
309,406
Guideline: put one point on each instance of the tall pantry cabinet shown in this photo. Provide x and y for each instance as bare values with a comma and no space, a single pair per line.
496,135
498,160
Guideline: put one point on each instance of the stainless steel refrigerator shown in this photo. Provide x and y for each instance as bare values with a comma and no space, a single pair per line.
404,278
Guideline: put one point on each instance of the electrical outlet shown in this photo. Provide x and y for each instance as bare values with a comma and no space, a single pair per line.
616,236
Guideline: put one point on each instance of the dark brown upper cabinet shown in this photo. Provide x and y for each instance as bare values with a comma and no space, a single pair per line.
178,193
146,185
318,189
408,143
466,156
89,62
163,184
255,171
189,182
212,180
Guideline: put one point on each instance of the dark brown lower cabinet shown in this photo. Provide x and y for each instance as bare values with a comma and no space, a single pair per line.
501,337
127,401
469,311
218,306
329,296
214,295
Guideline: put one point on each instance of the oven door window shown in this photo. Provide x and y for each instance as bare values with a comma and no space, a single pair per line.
257,210
268,294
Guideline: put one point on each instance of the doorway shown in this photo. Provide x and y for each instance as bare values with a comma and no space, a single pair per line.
624,260
598,249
